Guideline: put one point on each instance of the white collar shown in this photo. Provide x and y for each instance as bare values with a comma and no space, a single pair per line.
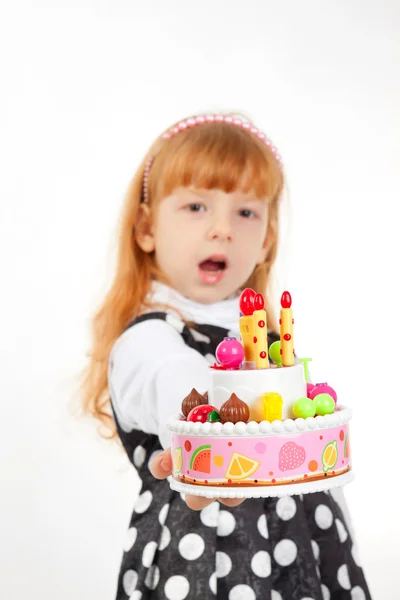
223,314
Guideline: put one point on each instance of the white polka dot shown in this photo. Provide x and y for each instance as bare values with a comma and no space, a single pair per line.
286,508
162,517
323,516
315,549
261,564
139,456
136,595
191,546
165,538
152,577
275,595
354,553
129,581
223,564
177,588
343,577
242,592
130,538
148,554
357,593
326,595
226,523
341,530
262,526
143,502
307,598
213,583
209,515
285,552
318,572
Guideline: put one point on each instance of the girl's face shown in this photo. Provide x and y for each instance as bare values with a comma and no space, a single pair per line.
208,242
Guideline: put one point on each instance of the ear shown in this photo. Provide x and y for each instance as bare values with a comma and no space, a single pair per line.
144,229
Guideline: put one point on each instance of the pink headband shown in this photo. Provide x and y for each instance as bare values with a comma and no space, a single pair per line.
200,120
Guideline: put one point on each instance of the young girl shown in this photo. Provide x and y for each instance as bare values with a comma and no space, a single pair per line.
199,225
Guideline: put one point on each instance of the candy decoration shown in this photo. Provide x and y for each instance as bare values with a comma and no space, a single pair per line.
329,456
286,330
310,387
275,353
272,406
213,417
323,388
192,400
230,353
304,408
246,301
291,456
201,459
178,460
325,404
241,466
199,414
234,410
305,362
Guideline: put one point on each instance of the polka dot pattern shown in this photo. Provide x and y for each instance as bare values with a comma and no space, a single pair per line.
162,517
341,530
191,546
323,516
357,593
326,595
286,508
139,456
261,564
242,592
209,515
129,581
226,523
152,577
130,539
143,502
165,538
223,564
177,588
285,552
148,554
262,526
343,577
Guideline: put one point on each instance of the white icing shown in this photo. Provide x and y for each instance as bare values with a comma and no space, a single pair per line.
250,384
339,417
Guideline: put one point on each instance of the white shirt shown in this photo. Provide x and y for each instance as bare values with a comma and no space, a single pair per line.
151,369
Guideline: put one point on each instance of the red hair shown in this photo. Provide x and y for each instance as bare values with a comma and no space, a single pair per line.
212,156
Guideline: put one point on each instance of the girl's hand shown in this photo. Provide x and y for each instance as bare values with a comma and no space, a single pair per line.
161,467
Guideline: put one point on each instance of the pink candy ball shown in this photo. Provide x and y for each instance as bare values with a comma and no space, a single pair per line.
322,388
230,353
310,386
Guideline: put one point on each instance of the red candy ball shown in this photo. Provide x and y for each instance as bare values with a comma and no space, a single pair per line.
199,414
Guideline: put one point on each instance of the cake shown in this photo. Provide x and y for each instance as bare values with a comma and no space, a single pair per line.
262,428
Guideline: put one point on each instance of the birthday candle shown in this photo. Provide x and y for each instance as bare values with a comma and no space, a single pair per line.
260,339
286,330
247,335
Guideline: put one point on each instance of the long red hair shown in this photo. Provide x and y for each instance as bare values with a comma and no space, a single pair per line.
212,156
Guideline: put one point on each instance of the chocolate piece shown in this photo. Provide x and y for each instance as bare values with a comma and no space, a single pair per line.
205,396
192,400
234,410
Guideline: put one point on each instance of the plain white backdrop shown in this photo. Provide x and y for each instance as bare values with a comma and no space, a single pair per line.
86,85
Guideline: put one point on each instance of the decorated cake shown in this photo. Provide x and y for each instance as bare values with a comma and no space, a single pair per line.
262,428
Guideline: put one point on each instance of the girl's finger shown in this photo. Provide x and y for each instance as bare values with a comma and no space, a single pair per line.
197,502
231,501
161,465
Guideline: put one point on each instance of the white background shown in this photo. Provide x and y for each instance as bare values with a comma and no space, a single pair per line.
85,88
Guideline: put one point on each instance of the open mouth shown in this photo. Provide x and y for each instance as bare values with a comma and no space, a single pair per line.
213,269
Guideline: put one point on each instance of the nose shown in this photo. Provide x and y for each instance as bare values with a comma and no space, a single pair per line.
221,229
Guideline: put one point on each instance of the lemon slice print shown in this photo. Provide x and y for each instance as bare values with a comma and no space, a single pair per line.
241,467
329,456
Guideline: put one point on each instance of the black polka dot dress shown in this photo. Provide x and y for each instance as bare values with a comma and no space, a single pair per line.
292,548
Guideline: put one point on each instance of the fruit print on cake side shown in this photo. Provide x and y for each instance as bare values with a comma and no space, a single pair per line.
178,460
329,456
291,456
201,459
241,467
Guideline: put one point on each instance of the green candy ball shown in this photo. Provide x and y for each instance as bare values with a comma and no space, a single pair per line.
325,404
304,407
275,353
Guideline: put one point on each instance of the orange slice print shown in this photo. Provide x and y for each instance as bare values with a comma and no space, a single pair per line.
241,467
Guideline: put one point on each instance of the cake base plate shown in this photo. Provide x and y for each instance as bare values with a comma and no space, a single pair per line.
290,489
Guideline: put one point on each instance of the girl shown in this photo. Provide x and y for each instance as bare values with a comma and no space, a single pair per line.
199,225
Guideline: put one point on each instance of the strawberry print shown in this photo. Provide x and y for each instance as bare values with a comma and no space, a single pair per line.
291,456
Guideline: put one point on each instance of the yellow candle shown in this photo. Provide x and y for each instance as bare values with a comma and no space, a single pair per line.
260,340
286,330
247,335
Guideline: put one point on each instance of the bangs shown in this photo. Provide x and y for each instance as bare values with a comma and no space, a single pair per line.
216,156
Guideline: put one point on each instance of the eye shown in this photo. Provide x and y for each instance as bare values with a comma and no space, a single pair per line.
195,207
247,213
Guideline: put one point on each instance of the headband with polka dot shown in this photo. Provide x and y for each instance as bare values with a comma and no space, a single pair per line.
200,120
